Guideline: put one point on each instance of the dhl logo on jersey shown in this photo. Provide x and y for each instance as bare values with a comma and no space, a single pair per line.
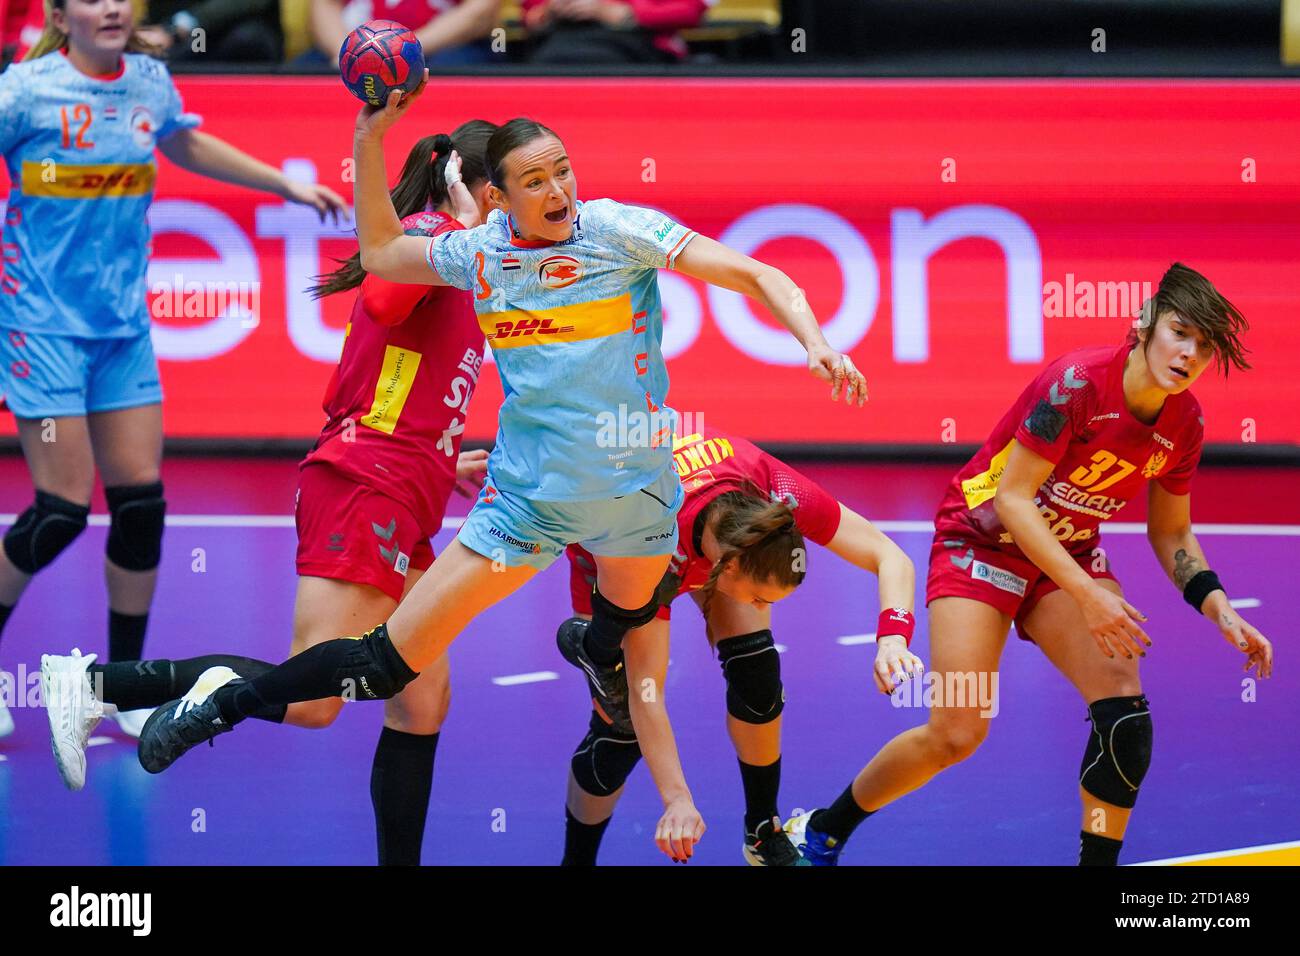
579,322
694,453
54,180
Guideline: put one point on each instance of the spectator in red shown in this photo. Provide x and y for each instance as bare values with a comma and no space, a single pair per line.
610,31
452,32
21,23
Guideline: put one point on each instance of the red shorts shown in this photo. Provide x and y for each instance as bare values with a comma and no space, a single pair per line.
1008,581
582,580
352,532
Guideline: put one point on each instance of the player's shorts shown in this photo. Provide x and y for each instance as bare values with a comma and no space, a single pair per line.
349,531
53,376
582,581
1007,581
517,532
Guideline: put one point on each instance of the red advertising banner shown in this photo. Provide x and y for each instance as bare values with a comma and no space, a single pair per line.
951,235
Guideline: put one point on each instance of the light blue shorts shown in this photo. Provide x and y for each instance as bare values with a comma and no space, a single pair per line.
515,531
52,376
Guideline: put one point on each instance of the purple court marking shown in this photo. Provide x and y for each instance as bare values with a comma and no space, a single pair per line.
1222,775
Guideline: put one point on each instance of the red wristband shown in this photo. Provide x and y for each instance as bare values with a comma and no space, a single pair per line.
896,620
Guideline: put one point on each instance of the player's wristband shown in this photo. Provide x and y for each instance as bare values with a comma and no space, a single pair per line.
1199,588
896,621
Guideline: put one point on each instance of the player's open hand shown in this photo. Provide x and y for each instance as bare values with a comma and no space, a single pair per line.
375,121
471,468
1114,623
679,829
324,200
895,663
1245,638
838,369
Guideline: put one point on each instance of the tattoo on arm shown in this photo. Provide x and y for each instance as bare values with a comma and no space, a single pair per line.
1186,567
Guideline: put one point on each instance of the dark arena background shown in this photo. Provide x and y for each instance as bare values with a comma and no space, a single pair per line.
963,190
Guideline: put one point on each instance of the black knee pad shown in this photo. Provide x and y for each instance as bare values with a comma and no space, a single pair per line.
43,531
1119,750
752,668
135,527
621,617
372,669
605,758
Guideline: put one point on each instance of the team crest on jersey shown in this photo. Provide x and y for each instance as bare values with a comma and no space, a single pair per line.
559,272
143,127
1155,464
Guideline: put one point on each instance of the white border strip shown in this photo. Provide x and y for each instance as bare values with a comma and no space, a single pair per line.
1195,857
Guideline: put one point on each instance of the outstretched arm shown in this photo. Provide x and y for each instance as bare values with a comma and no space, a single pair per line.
209,156
645,654
706,259
1169,529
861,543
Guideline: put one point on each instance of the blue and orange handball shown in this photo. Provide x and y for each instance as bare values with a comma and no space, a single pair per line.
378,57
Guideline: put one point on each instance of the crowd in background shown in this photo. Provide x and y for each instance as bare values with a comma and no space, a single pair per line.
307,34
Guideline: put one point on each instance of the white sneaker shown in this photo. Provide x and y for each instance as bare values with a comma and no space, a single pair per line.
73,710
6,722
130,722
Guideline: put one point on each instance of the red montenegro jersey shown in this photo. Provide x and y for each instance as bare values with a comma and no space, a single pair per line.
712,463
398,400
1075,416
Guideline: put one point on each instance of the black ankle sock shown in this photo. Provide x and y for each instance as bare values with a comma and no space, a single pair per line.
581,840
761,785
401,778
311,675
126,635
1096,850
131,685
841,818
5,611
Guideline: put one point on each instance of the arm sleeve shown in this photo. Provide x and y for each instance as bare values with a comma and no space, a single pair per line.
645,237
816,512
174,117
452,254
1178,479
1056,407
391,303
12,116
667,14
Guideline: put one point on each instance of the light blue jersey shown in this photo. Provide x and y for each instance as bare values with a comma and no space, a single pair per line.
80,153
575,328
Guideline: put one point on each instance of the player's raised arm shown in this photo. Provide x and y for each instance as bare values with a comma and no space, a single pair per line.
709,260
386,251
1169,529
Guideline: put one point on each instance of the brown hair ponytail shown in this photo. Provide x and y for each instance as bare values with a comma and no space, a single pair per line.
420,185
760,535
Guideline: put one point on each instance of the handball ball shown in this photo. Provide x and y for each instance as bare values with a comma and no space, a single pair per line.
378,57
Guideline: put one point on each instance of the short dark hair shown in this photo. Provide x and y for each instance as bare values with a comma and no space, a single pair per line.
1193,298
